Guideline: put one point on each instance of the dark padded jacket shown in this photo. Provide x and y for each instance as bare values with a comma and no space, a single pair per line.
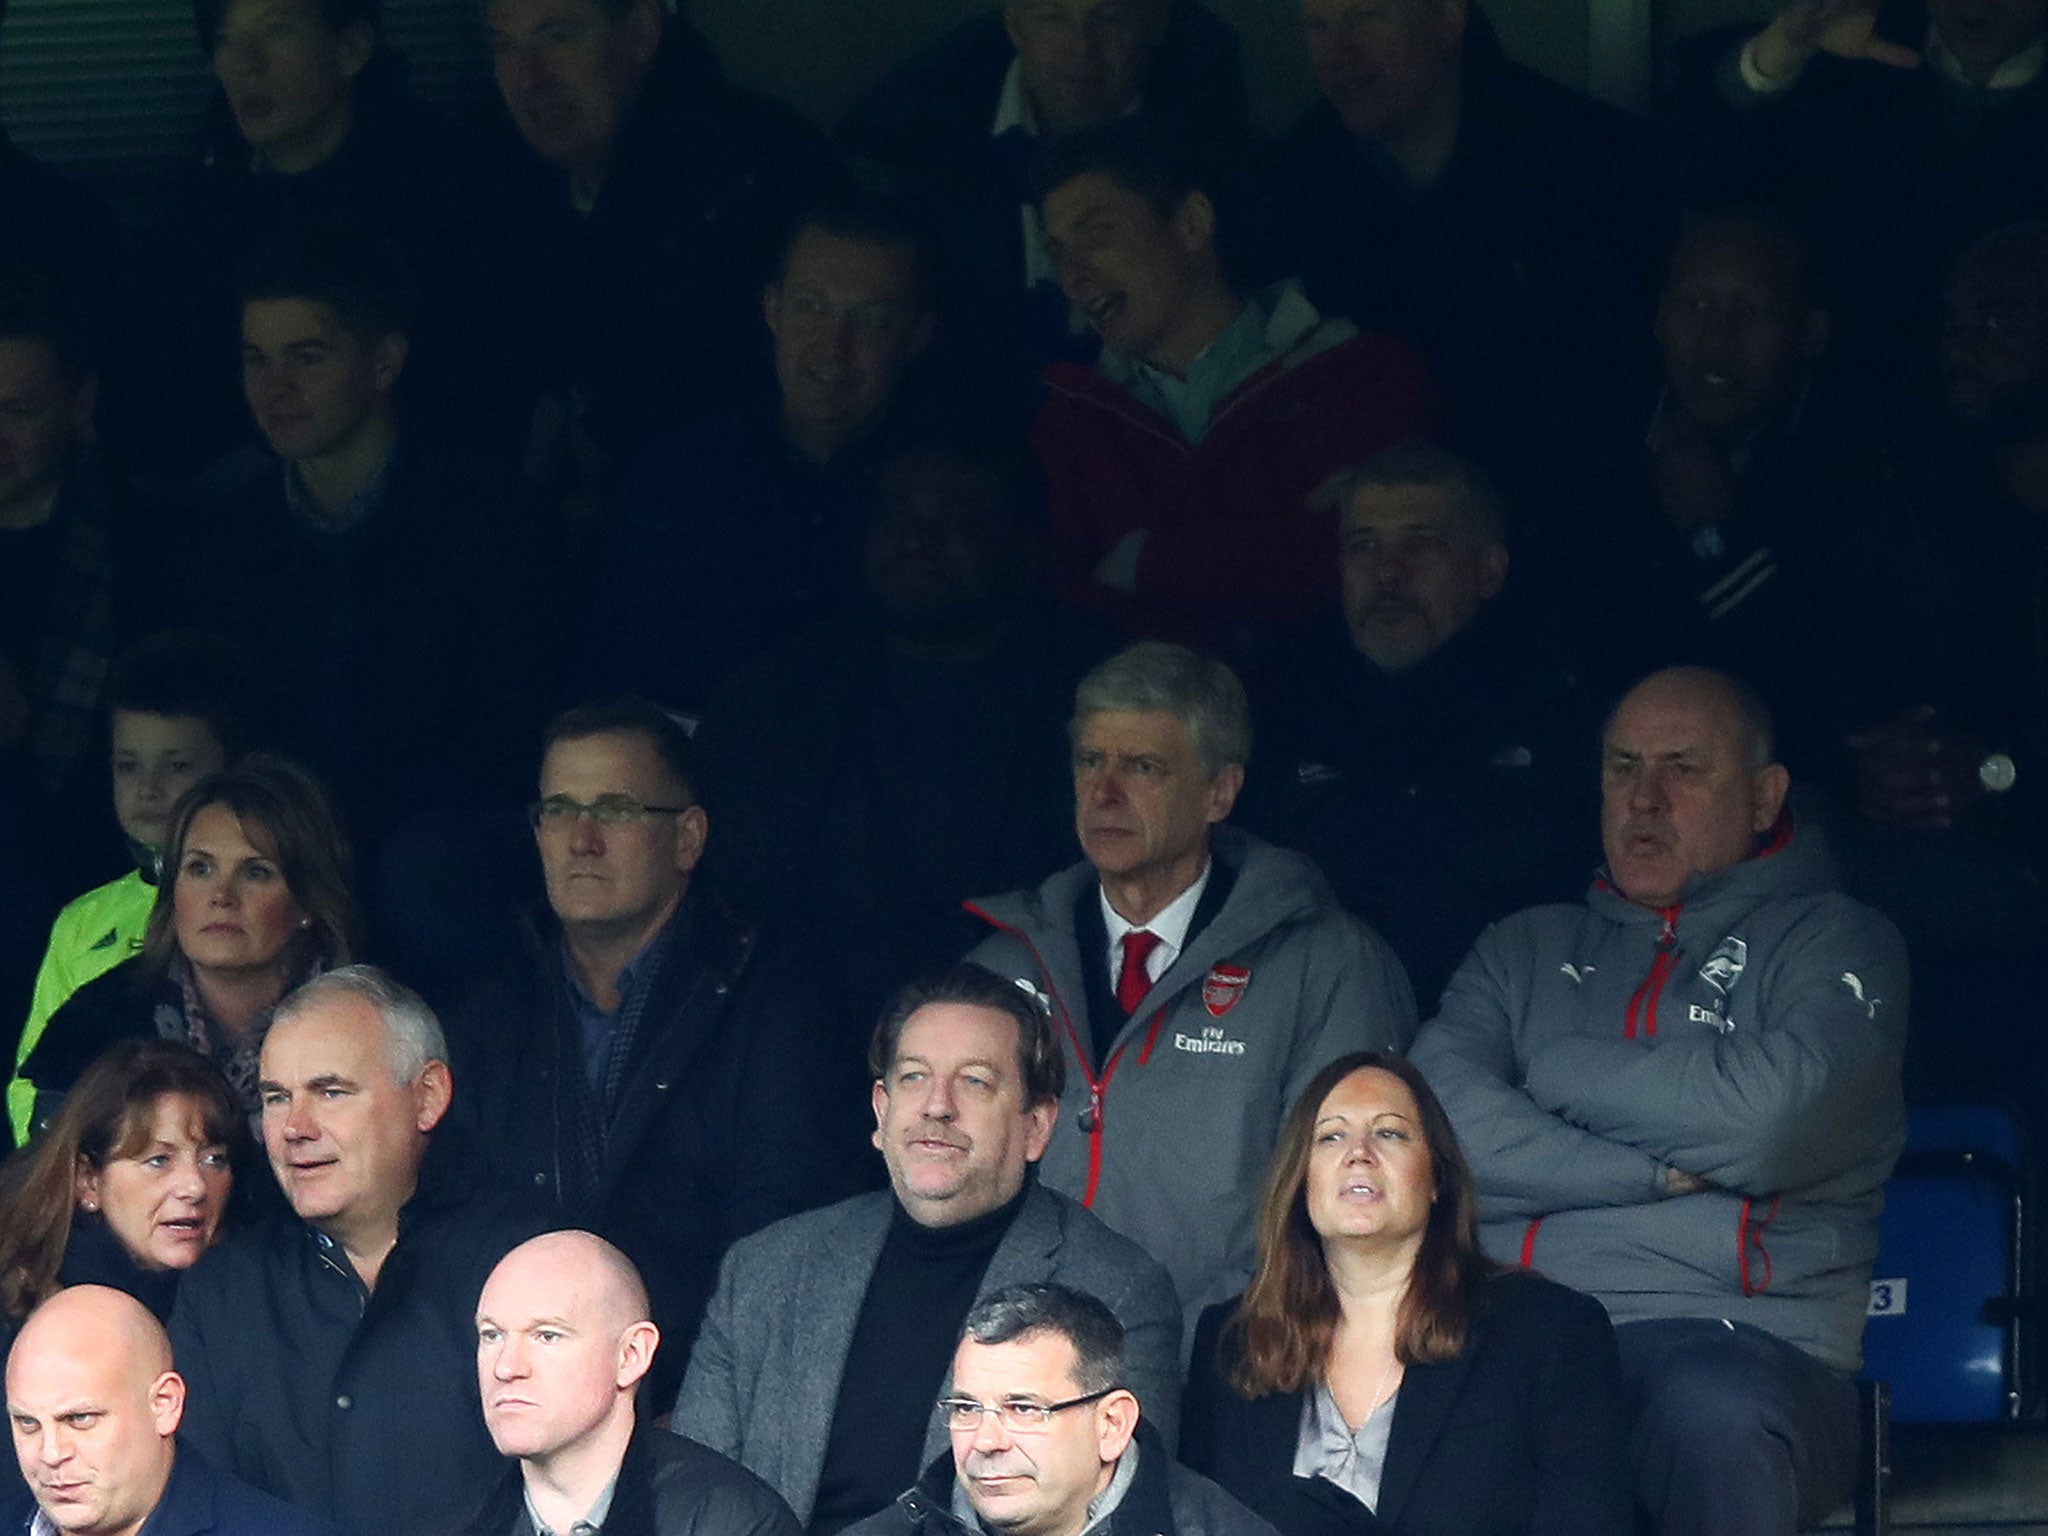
361,1405
201,1500
1164,1499
668,1486
737,1108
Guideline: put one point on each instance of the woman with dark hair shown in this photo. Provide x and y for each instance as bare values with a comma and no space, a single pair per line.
1380,1374
254,900
126,1186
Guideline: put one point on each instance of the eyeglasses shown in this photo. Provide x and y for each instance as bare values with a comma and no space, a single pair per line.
606,810
1019,1415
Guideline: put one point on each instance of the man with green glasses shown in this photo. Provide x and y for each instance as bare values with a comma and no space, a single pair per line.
644,1063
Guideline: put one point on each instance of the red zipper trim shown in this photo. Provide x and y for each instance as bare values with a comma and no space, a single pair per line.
1529,1244
1652,987
1747,1237
1779,837
1151,1036
1098,1087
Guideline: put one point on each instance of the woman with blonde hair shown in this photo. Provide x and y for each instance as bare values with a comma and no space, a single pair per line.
1380,1374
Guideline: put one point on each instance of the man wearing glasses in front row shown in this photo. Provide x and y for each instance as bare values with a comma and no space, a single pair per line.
644,1064
1047,1438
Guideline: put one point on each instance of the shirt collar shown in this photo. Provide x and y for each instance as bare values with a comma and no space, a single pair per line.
1274,321
629,973
1270,324
1105,1503
2021,69
1240,349
1170,923
1100,1508
1013,105
592,1521
354,514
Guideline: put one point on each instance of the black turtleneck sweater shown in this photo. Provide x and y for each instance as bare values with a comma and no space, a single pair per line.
924,1282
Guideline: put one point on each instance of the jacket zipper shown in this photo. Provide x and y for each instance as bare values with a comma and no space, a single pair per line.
1098,1087
1642,1012
1749,1237
1642,1008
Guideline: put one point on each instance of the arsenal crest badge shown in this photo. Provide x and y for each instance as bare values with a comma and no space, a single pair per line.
1222,987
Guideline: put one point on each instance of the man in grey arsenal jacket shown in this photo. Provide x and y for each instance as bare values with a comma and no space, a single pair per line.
1197,977
1683,1097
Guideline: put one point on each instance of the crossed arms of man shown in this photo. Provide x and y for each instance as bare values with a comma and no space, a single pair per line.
1558,1110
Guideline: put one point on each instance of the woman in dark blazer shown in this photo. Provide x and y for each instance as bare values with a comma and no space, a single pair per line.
1380,1374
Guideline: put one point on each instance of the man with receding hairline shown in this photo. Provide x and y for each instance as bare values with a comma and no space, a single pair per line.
758,510
1047,1437
645,1062
365,1289
1683,1097
563,1343
1196,976
95,1408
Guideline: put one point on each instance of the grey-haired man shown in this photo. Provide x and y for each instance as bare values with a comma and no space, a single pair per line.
1197,977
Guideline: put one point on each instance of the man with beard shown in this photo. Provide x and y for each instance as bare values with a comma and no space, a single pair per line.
1433,761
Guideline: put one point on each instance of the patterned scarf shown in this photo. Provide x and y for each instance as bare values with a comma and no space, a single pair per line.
187,1020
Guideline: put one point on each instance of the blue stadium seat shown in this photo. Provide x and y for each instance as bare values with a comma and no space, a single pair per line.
1945,1295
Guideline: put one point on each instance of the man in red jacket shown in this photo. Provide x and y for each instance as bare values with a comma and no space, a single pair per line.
1182,464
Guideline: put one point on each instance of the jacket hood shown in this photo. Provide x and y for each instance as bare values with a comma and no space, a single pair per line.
1273,887
1788,864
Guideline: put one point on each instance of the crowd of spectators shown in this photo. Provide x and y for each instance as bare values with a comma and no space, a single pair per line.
1353,545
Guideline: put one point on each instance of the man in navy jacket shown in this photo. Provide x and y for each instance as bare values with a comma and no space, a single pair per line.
331,1352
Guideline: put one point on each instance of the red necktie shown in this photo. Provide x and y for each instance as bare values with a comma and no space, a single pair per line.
1133,982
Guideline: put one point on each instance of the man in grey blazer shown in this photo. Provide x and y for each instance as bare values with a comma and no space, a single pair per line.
831,1335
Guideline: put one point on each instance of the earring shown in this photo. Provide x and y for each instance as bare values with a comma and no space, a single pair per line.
305,922
92,1205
